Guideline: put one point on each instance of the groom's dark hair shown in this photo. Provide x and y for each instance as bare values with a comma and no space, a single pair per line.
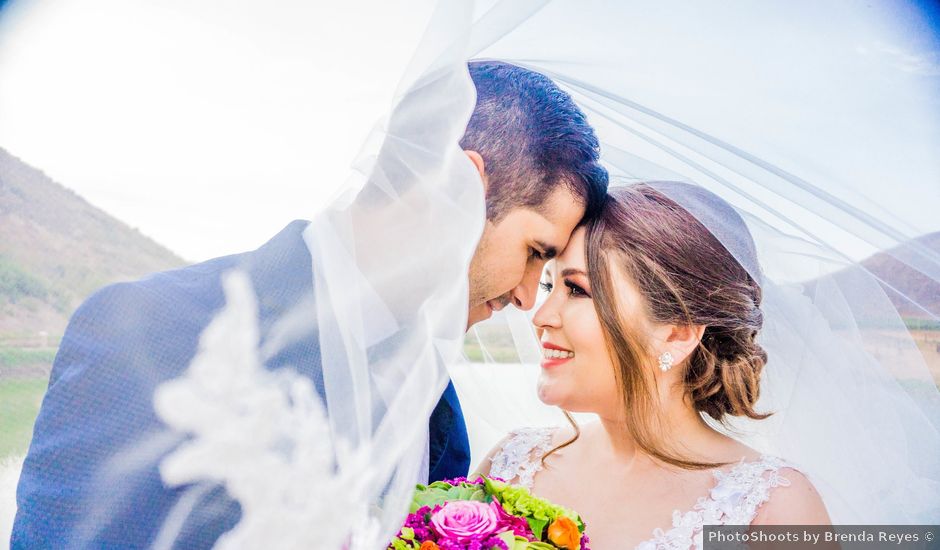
532,138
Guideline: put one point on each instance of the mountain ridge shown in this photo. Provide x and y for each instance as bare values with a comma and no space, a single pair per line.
899,272
57,248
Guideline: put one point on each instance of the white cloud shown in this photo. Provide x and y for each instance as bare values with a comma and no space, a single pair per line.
925,63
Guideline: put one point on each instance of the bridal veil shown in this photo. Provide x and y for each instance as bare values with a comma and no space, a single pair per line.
819,123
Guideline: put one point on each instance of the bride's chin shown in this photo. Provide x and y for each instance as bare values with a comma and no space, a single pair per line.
549,395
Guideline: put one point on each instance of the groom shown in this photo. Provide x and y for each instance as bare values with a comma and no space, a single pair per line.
538,161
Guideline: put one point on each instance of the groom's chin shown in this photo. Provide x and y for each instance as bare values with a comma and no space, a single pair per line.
478,313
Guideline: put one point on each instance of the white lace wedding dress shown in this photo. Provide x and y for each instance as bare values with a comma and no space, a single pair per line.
733,500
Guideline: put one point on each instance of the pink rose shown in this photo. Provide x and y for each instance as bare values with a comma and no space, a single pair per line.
464,521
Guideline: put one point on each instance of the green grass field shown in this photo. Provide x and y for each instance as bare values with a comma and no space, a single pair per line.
24,374
19,404
24,357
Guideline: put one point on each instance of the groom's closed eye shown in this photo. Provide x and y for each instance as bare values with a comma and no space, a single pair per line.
546,251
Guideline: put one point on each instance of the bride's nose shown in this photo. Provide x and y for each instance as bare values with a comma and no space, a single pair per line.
547,316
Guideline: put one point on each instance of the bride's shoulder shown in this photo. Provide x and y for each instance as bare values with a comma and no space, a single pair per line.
791,498
519,452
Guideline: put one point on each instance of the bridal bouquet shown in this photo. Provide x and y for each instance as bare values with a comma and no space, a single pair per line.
486,514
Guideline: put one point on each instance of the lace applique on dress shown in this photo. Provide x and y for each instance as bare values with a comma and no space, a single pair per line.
734,500
521,454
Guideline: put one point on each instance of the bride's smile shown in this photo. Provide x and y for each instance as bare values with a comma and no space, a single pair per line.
555,353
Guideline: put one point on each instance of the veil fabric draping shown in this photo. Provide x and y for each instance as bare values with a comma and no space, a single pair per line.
798,126
819,135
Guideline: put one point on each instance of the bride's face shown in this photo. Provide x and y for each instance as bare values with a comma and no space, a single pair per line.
577,371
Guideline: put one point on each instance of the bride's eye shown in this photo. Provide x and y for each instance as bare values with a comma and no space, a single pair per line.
547,287
575,290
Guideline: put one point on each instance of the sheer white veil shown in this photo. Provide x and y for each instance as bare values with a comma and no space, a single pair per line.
855,405
787,120
390,258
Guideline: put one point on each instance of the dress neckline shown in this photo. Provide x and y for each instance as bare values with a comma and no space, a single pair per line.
733,499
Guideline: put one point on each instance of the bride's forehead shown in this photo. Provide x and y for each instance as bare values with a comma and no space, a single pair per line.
562,265
574,253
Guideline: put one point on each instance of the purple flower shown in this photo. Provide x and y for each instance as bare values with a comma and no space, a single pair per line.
465,521
476,481
418,522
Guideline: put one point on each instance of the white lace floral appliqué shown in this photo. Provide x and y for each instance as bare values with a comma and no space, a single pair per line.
283,472
733,500
521,455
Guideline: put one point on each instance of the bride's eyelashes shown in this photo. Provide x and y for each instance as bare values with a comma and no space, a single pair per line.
573,289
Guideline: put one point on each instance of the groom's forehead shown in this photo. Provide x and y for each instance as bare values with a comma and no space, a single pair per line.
551,234
563,212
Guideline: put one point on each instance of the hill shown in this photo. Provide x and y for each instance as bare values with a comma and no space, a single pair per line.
56,249
899,279
913,283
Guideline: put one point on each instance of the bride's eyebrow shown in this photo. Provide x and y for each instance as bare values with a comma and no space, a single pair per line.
572,271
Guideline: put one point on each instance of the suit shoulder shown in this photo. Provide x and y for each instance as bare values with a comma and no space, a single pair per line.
182,289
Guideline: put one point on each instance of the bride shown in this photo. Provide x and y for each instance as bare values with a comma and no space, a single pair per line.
650,323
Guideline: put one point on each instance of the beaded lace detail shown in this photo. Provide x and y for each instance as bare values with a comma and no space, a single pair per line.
733,500
520,457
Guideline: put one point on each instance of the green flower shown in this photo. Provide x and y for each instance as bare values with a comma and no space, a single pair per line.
522,544
538,512
399,544
440,492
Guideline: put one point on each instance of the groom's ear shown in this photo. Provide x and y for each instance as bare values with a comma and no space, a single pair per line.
477,161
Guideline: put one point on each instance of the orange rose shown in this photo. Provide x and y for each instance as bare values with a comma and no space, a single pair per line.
564,533
429,545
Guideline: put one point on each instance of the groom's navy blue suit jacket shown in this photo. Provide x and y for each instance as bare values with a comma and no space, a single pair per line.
90,479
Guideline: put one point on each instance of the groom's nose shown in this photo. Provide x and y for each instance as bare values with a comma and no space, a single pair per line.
523,296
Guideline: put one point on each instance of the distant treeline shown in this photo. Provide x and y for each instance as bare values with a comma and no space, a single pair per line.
922,324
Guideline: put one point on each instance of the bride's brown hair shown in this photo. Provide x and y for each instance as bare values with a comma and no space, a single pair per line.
686,277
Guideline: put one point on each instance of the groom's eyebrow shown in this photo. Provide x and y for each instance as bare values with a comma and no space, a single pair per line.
548,251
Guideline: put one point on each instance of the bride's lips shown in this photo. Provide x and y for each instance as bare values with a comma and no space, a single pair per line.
548,363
